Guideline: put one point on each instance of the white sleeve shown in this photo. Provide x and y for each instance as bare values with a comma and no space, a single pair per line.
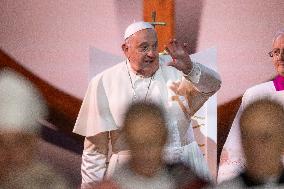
198,86
93,167
94,158
204,79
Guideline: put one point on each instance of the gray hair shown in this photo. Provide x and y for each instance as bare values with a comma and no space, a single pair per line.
277,34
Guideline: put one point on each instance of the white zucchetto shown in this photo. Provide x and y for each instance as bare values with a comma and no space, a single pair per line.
135,27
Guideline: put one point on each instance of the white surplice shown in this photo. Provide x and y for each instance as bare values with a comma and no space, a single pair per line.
232,159
110,93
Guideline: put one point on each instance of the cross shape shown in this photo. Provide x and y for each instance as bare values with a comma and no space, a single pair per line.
154,23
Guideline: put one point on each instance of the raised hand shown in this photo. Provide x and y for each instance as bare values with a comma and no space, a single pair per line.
181,59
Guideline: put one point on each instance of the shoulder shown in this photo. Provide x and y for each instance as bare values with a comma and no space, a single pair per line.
261,89
258,91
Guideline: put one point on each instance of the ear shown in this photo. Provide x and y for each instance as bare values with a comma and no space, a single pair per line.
124,47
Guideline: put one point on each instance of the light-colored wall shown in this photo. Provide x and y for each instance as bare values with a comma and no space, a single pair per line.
53,38
187,21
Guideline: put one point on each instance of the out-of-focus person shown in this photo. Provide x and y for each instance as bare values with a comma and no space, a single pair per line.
262,128
232,158
21,107
146,134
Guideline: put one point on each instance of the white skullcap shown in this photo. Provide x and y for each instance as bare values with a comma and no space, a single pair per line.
135,27
21,106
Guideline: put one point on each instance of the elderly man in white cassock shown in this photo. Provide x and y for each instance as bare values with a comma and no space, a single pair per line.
148,77
232,161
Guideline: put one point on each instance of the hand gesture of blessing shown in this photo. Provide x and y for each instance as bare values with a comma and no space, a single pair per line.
180,56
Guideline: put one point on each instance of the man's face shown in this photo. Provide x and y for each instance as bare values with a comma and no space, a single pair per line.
278,60
142,53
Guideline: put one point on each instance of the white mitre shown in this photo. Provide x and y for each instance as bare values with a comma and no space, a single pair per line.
135,27
21,106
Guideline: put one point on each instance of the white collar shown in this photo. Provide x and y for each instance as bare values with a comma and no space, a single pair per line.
136,77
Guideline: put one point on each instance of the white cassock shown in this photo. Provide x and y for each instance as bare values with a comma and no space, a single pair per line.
111,92
232,159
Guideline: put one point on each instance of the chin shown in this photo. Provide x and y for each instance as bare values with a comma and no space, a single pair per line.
280,71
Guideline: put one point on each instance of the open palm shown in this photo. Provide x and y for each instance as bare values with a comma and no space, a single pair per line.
180,56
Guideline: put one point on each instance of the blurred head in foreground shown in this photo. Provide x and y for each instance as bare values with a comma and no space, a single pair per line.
262,128
146,135
20,109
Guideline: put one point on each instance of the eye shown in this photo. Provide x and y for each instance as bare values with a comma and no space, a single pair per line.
276,51
143,48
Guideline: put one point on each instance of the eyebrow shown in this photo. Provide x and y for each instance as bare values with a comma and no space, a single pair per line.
146,43
143,44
